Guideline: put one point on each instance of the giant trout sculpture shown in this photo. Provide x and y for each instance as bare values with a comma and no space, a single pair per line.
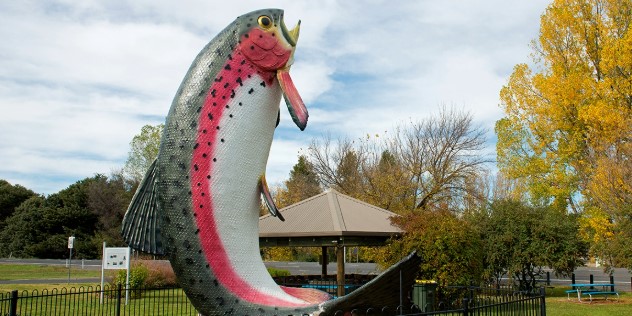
199,202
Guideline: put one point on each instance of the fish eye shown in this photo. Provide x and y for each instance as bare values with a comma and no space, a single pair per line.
265,21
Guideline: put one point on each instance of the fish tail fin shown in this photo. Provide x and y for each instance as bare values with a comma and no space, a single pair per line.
141,224
382,291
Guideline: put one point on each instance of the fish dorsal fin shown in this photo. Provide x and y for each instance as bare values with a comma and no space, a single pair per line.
267,198
141,224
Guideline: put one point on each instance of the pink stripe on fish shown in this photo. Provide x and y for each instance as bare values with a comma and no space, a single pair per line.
222,91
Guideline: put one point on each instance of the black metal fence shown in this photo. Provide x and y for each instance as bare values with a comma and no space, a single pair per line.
96,301
172,301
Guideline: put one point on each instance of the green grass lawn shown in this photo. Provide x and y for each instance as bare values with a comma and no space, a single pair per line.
33,271
557,304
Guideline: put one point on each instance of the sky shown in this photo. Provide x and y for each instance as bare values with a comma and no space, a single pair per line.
78,79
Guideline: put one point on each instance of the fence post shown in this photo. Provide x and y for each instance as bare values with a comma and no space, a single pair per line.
612,282
592,281
573,279
548,278
542,302
466,307
118,300
14,303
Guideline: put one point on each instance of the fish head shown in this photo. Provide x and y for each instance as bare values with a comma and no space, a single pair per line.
269,45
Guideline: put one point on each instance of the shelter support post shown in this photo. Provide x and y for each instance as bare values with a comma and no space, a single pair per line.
340,254
324,263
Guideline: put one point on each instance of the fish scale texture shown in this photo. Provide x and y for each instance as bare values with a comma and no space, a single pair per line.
199,203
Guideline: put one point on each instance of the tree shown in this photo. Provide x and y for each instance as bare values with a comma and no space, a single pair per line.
11,196
90,209
143,151
302,184
520,240
449,246
424,164
566,134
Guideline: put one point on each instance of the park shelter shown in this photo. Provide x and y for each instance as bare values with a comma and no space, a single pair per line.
329,219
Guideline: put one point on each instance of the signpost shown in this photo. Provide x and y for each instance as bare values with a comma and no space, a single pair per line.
115,258
71,244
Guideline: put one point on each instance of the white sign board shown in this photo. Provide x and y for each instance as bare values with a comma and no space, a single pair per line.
116,258
71,242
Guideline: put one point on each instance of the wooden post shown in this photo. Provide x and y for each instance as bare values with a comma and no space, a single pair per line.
324,263
340,254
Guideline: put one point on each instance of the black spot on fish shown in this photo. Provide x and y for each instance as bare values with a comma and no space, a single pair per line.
230,311
196,145
246,35
223,97
226,85
199,184
201,93
208,176
207,266
200,251
193,124
201,205
186,244
251,91
222,140
243,61
227,67
185,211
194,214
213,92
214,159
232,95
240,104
263,84
195,167
204,155
208,143
252,47
219,79
228,106
230,57
204,131
220,301
197,231
189,261
214,103
238,80
190,193
217,127
182,166
199,109
230,115
261,310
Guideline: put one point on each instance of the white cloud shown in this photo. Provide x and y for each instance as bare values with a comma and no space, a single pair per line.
80,78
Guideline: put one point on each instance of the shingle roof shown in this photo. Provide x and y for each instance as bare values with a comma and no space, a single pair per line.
329,214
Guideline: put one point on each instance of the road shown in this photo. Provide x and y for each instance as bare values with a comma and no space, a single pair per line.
622,277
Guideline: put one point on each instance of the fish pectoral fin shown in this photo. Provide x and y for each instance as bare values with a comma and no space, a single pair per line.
141,224
267,198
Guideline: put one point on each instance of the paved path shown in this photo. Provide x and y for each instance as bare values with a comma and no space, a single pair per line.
622,277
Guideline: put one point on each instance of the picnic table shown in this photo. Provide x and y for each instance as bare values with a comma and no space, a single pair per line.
591,289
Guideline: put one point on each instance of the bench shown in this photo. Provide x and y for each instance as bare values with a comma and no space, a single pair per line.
568,294
605,294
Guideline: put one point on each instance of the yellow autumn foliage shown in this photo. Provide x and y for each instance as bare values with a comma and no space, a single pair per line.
568,116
